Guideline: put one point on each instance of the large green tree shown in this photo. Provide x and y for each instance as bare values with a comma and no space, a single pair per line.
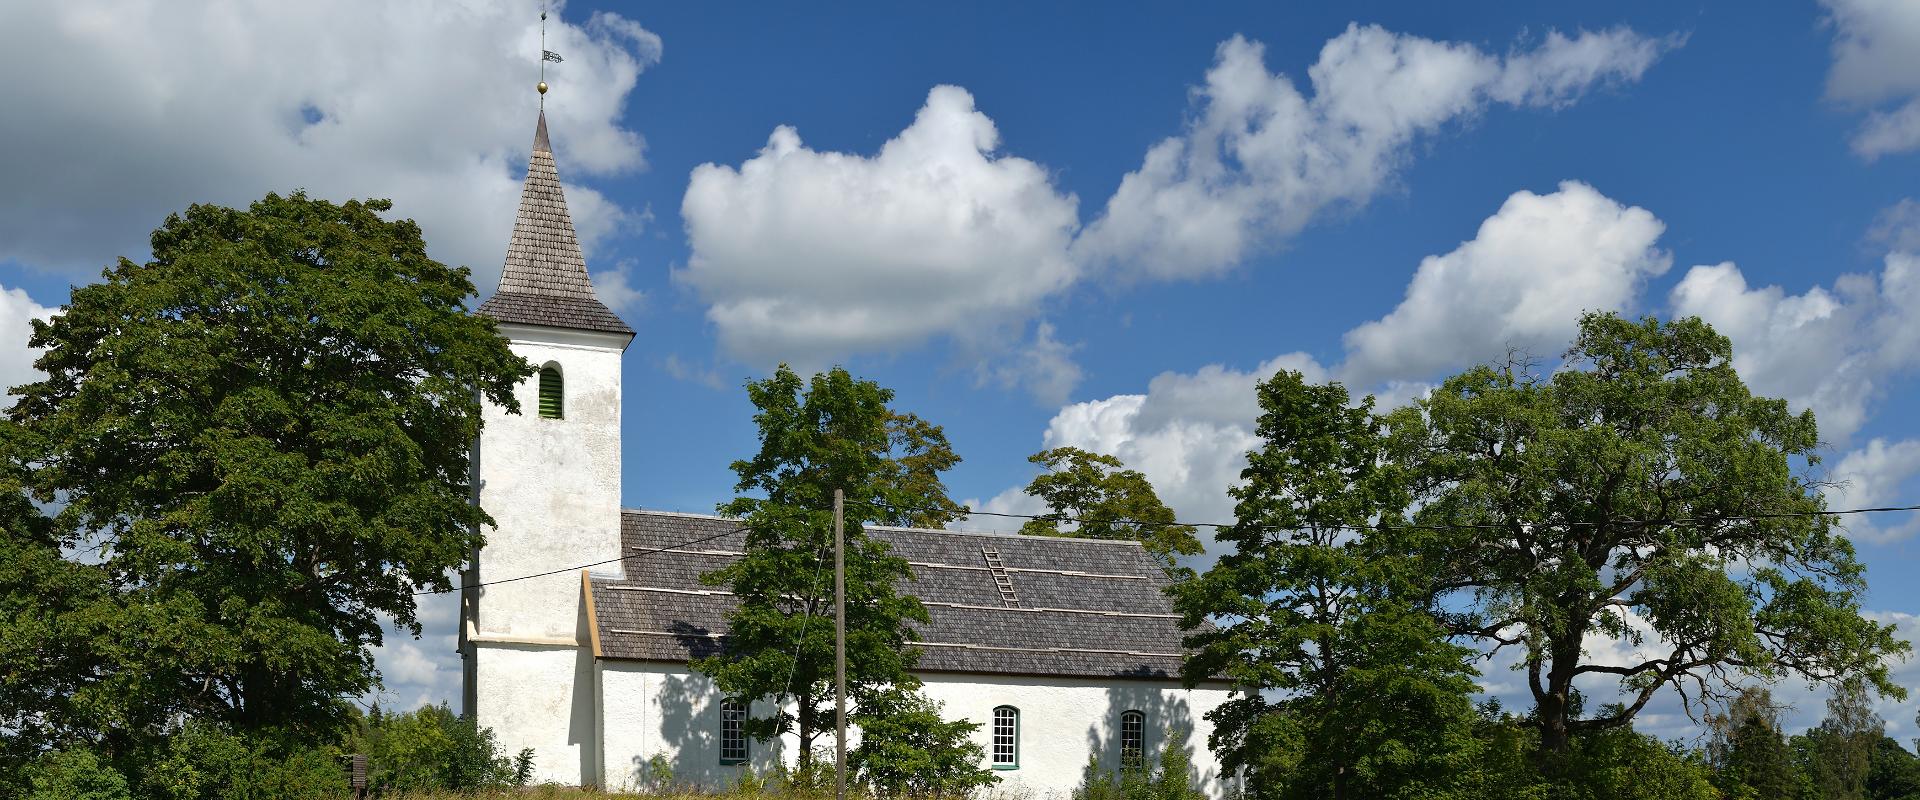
1639,493
1892,772
833,432
1839,752
1343,688
1105,500
260,439
1748,750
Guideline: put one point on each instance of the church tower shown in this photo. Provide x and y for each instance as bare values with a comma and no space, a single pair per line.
550,478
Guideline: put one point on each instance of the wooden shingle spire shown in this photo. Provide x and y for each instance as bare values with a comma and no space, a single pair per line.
544,280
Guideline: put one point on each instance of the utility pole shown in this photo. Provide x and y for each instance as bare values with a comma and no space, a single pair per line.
839,646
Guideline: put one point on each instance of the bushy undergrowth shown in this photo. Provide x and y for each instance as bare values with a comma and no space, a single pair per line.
423,751
433,748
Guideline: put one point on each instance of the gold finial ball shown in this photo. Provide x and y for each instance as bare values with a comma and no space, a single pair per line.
542,87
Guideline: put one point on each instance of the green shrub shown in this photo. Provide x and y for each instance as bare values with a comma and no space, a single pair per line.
75,775
433,748
1618,764
203,761
907,749
1172,778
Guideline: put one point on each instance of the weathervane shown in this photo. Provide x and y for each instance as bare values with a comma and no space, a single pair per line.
545,56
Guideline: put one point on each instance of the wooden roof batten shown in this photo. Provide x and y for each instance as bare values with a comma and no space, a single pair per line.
544,280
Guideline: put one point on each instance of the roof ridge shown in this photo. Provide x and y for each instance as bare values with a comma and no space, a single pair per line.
945,532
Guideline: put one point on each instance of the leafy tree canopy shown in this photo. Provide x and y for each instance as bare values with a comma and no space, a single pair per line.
833,432
1640,493
1105,500
1343,688
260,438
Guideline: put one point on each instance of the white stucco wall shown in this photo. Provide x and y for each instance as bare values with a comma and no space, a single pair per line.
653,709
540,696
1063,721
553,489
551,485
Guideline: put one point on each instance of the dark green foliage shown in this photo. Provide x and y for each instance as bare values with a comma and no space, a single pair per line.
1892,772
1749,751
1611,764
1621,764
1170,776
1837,756
432,748
907,750
1569,483
1844,743
73,775
204,761
1342,687
57,618
261,439
1108,500
834,432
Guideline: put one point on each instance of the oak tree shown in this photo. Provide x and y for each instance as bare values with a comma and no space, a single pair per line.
1639,493
259,439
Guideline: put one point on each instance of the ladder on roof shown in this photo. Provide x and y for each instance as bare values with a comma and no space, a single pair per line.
1001,579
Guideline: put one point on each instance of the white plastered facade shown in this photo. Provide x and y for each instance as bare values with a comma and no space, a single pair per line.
552,487
661,710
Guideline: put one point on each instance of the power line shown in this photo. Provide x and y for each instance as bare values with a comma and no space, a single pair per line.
1412,526
689,542
794,665
1216,525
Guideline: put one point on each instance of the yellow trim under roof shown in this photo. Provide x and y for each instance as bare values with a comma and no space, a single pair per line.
593,620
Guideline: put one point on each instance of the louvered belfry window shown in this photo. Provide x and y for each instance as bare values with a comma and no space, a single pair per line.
552,393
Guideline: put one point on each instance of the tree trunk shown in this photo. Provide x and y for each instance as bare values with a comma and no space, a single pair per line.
1556,708
804,712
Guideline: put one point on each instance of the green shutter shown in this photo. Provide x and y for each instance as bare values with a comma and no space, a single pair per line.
550,393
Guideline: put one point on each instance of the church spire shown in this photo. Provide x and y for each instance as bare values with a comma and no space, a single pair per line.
544,280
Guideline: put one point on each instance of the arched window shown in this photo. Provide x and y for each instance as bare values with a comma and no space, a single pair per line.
1006,738
733,731
1133,736
552,393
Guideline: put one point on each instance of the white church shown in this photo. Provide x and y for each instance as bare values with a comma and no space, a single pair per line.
1059,648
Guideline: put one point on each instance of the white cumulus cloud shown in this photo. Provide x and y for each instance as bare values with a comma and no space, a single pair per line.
124,111
17,311
1876,67
1189,434
806,255
1521,282
1872,476
1831,350
1259,160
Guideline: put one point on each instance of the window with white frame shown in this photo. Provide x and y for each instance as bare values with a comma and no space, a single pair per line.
1006,738
1133,736
733,731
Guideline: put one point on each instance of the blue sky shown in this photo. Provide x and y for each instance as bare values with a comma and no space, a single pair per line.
965,204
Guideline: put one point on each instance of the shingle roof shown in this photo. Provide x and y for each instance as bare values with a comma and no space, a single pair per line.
544,281
1085,608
